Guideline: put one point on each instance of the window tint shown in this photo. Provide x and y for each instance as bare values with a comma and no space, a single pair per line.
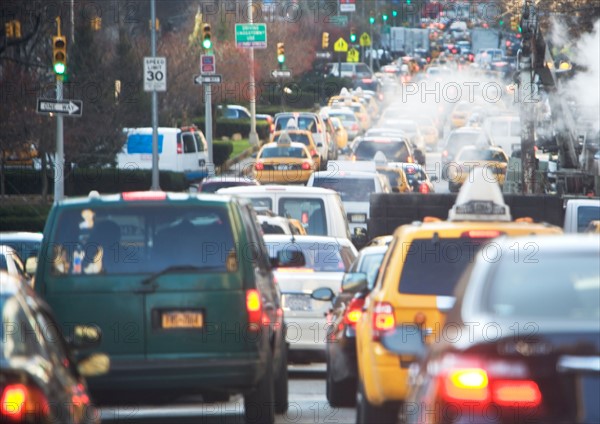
350,189
189,143
140,239
393,151
283,152
551,286
433,266
310,212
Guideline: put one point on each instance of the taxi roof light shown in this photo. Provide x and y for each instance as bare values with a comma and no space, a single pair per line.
479,199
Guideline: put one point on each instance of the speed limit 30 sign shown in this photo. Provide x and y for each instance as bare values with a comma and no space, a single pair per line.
155,74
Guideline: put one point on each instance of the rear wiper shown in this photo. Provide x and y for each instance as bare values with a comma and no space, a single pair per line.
173,270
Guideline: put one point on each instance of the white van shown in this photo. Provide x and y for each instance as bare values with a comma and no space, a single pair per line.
504,132
179,150
354,185
319,210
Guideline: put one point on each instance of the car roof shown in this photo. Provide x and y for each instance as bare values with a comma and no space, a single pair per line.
279,144
287,238
276,188
228,178
143,197
562,243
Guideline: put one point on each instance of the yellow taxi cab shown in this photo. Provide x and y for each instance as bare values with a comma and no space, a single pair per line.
415,285
490,161
460,114
341,135
353,102
284,162
301,136
395,173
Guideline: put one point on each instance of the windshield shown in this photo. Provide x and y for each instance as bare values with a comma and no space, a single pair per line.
433,266
553,286
140,239
321,257
296,137
393,151
350,189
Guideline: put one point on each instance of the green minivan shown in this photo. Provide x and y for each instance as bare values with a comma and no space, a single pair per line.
180,286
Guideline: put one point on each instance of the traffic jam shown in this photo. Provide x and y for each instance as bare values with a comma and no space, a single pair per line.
416,249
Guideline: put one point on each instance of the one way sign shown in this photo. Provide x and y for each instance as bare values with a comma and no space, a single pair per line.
72,108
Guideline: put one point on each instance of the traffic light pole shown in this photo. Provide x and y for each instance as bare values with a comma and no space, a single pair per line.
59,159
155,180
208,127
253,137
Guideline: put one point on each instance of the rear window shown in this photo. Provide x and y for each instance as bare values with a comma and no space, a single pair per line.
350,189
321,257
434,265
586,214
140,239
551,286
310,212
283,152
296,137
300,122
393,151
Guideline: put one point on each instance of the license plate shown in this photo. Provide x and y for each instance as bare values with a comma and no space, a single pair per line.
282,167
182,320
298,302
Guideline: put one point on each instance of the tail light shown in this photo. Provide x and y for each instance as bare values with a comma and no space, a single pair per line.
383,318
410,159
259,166
354,312
423,188
313,152
18,401
254,309
467,381
487,234
354,127
179,148
305,166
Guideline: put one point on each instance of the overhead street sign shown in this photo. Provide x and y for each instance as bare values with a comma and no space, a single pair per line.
340,45
155,74
339,20
251,35
323,55
207,79
347,6
72,108
281,74
365,39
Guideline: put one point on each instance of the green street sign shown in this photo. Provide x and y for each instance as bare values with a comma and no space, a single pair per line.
251,35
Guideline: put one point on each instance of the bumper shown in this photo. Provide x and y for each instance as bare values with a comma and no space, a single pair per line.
283,177
306,334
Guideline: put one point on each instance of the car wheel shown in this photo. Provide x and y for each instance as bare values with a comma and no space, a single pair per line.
341,393
281,382
367,413
453,188
259,404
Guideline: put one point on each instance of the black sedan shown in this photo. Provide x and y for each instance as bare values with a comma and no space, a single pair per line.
340,352
40,382
521,344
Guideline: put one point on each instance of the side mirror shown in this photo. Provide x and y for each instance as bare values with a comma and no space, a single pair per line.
405,340
94,365
291,258
323,294
85,337
354,282
31,265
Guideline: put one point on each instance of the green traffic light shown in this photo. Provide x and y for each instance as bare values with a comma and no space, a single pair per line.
59,68
353,38
385,18
501,22
371,20
281,58
407,1
394,13
206,43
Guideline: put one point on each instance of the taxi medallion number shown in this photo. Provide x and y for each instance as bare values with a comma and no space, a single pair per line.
182,319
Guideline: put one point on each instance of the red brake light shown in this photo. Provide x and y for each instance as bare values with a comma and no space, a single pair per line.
516,393
481,233
354,312
355,127
259,166
132,196
313,152
305,166
383,318
466,384
13,402
254,309
423,188
179,148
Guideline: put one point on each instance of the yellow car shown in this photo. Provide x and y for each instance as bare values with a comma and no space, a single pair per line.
284,163
341,135
460,115
490,161
305,137
395,173
415,285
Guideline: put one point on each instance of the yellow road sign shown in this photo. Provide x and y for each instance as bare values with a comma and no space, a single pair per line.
353,55
365,39
340,45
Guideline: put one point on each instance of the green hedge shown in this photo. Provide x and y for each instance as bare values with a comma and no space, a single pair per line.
221,152
229,127
30,217
81,181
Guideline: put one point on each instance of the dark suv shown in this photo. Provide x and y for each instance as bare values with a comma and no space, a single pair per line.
182,288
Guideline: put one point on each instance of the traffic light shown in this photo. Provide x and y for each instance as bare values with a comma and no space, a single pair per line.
59,54
514,23
96,23
371,17
407,1
206,41
394,13
501,22
325,40
12,29
280,54
384,17
353,35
